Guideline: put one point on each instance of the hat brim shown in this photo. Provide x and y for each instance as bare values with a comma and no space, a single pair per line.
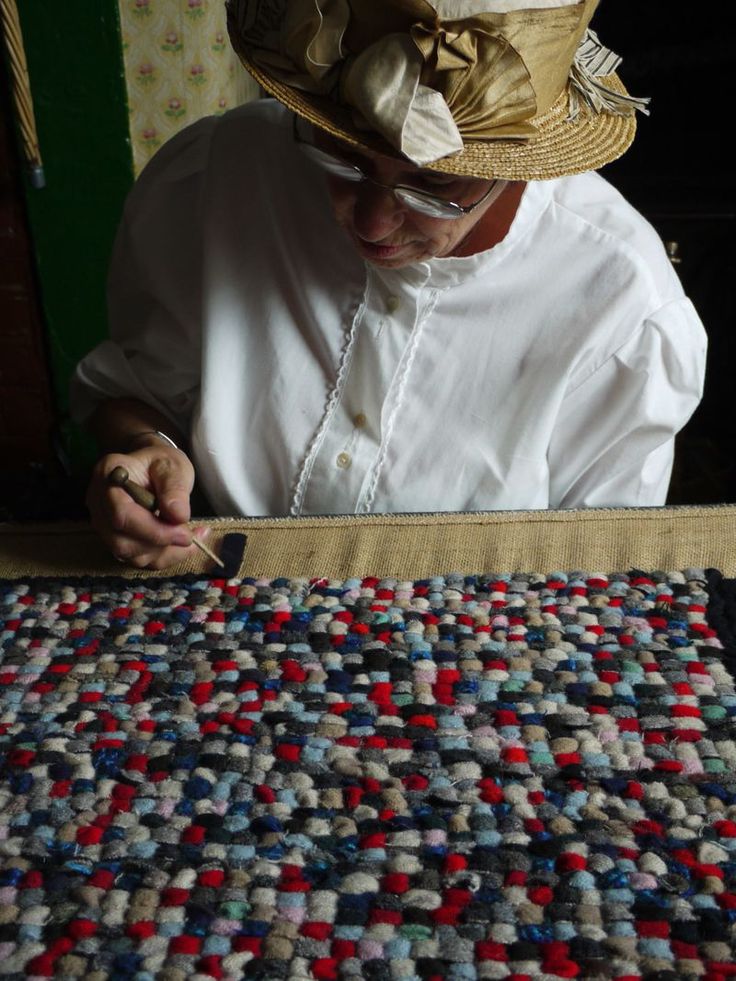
562,147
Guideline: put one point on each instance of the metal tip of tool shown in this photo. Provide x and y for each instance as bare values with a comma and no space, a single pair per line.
208,552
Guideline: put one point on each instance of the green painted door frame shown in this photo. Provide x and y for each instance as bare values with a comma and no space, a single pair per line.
75,64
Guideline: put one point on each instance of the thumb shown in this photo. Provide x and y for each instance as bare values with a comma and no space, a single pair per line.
172,483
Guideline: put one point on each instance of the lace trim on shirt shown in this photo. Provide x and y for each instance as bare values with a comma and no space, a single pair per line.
332,401
366,502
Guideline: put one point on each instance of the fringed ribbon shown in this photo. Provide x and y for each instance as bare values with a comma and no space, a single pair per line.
594,60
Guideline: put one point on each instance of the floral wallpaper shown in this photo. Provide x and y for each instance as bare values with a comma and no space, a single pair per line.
179,66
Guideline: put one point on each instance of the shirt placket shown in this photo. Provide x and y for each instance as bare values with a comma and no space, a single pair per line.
344,461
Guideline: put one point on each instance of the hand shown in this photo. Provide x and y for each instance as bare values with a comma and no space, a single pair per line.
133,534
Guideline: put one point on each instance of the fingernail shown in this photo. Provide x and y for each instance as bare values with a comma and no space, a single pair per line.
202,532
182,538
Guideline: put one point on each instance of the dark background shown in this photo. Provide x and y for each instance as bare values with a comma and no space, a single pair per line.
680,174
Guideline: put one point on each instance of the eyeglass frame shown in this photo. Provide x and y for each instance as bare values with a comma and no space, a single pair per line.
448,209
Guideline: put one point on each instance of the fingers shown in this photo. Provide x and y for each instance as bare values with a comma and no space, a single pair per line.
160,558
172,481
133,534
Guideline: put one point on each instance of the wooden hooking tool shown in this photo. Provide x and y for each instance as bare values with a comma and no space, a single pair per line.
119,477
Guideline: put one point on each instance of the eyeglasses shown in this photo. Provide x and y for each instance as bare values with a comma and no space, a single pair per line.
418,200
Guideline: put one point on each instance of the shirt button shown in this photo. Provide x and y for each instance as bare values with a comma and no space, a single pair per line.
359,420
343,460
392,304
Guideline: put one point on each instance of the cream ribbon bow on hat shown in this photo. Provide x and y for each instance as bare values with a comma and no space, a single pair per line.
426,77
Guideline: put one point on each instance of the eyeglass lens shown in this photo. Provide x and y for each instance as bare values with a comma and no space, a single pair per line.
422,201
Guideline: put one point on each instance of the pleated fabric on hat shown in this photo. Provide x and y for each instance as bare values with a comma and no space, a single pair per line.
504,89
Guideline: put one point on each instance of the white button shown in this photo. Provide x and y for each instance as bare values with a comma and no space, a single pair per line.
343,460
392,303
359,420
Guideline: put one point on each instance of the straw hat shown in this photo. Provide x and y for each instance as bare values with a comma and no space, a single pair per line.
515,89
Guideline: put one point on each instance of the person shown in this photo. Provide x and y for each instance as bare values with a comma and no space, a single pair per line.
399,285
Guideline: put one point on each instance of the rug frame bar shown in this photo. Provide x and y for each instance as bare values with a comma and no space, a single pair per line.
412,546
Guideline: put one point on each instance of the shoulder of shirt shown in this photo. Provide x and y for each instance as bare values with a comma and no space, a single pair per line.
216,152
594,206
252,126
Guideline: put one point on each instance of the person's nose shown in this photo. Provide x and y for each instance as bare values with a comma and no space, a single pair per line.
377,212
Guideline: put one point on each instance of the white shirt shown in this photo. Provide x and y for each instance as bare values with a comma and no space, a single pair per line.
552,370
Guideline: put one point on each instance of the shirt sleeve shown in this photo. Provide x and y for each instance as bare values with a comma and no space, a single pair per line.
154,290
613,441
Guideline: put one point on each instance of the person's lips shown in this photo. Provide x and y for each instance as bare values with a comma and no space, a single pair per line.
378,250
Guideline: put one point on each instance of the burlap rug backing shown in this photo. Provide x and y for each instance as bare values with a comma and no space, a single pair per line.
413,546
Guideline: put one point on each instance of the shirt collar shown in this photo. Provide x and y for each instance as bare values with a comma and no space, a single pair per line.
442,273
